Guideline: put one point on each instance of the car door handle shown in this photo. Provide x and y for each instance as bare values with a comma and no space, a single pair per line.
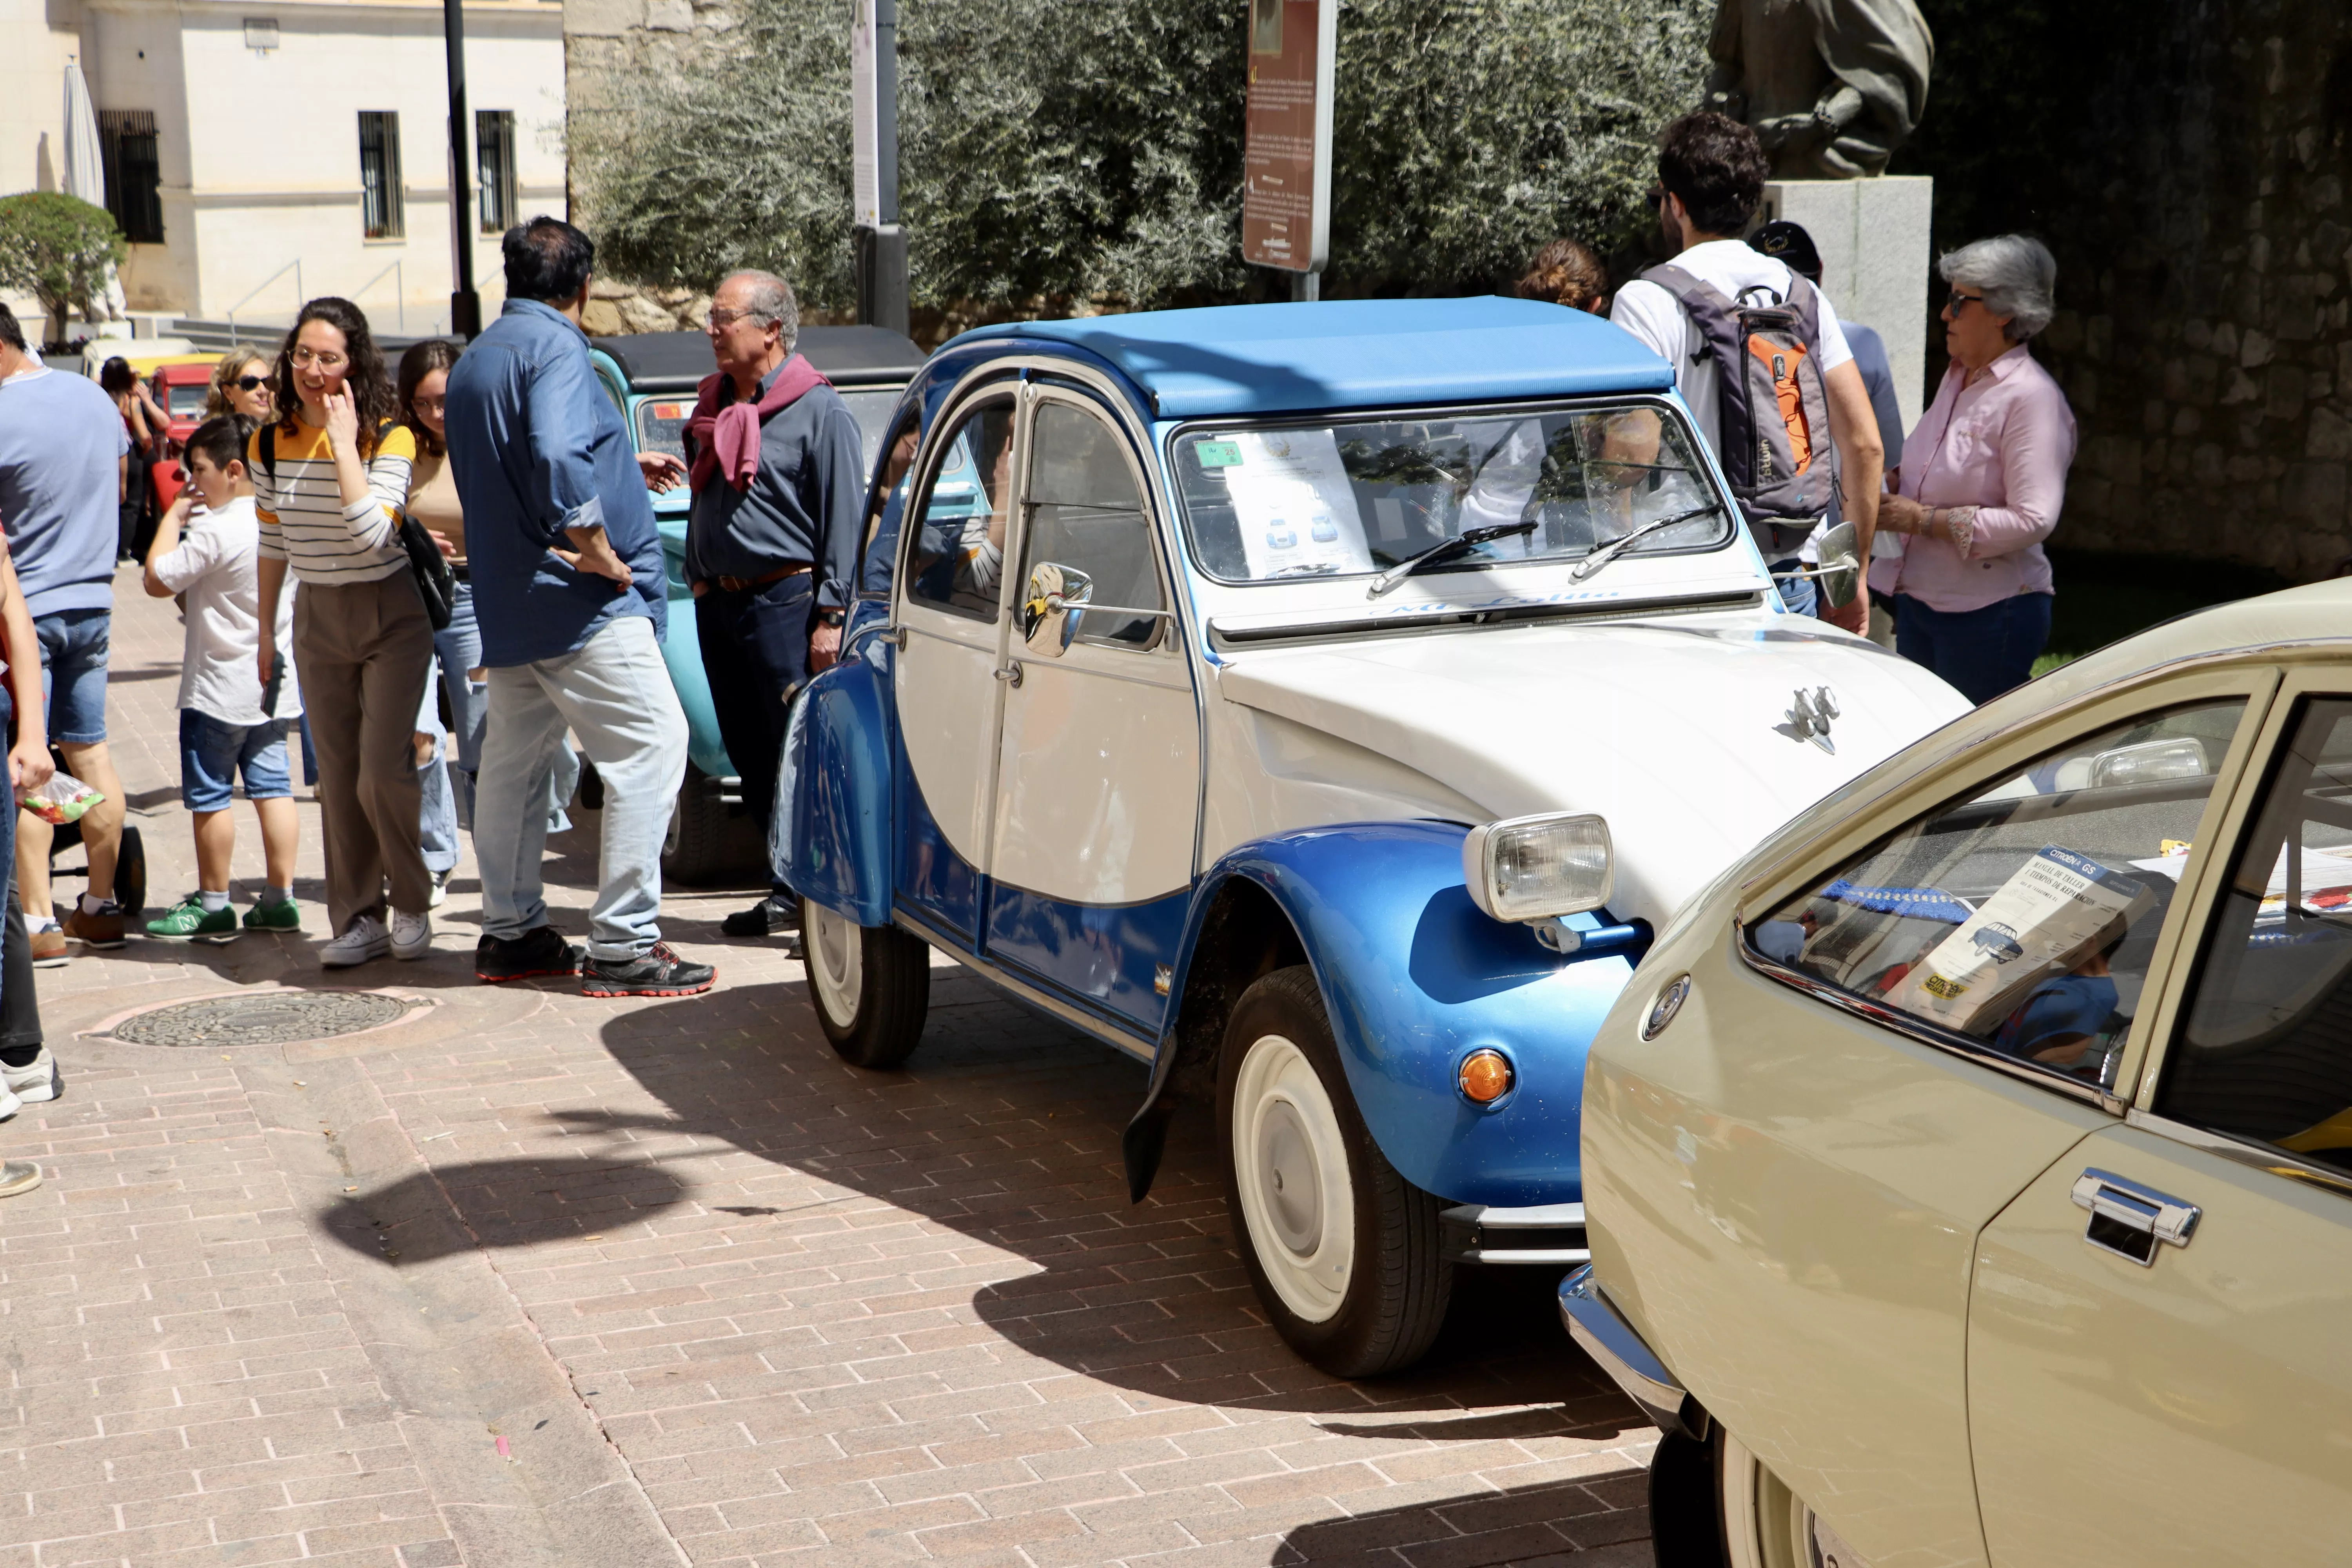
2128,1219
1011,673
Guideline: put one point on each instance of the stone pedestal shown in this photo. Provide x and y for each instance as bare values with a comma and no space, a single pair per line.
1872,237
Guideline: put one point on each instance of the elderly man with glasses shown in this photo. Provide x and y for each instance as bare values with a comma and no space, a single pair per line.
771,542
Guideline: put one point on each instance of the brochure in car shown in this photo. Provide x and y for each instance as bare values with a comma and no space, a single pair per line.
1293,501
2056,910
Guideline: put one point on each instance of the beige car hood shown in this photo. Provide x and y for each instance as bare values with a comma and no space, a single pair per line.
1679,734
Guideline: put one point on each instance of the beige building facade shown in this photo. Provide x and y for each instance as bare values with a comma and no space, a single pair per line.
259,153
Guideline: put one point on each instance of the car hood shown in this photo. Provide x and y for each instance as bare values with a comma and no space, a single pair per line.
1679,734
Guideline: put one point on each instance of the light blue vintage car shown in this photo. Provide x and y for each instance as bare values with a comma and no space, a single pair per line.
1322,704
651,378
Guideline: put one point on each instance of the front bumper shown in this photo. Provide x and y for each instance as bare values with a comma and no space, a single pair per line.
1485,1233
1612,1343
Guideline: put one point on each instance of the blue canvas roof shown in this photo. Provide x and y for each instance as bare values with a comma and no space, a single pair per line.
1357,354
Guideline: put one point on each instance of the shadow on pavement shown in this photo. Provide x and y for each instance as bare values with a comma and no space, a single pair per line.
500,1203
1521,1524
1005,1128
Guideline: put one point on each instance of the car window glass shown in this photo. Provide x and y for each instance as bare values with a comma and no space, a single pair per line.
2023,916
894,450
1085,515
956,560
661,425
1263,502
2267,1053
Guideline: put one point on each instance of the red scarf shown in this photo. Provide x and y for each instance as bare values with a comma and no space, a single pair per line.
726,440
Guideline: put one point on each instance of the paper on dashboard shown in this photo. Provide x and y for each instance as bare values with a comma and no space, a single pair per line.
1291,498
2054,911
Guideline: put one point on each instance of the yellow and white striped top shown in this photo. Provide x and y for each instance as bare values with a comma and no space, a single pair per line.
304,521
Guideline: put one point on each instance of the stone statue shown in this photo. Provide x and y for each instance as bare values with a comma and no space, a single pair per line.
1832,87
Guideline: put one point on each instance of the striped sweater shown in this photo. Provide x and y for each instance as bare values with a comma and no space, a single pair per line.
304,520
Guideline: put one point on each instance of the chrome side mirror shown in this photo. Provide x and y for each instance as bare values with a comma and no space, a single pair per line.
1056,602
1841,566
1052,607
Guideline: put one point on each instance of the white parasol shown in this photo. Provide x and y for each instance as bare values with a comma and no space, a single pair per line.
86,173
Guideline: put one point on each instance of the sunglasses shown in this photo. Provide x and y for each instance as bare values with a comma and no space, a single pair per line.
247,382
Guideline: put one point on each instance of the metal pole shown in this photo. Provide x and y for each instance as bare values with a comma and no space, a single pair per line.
880,256
464,304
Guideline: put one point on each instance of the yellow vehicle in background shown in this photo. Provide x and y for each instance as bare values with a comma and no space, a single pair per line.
1968,1171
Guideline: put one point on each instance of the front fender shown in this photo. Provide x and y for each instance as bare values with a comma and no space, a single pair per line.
834,788
1414,978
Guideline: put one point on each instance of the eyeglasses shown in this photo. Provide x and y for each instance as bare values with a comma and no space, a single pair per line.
1955,301
304,354
723,320
247,382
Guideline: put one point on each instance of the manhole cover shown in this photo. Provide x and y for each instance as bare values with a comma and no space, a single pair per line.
261,1020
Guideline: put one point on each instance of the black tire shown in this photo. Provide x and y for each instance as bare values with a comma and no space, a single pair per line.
1686,1513
708,844
130,874
1379,1310
880,976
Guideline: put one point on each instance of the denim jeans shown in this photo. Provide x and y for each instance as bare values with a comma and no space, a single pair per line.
614,693
1981,652
458,646
436,810
754,647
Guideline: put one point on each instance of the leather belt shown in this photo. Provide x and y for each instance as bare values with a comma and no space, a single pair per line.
745,584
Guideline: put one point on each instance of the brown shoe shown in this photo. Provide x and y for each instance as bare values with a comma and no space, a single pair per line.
49,948
103,930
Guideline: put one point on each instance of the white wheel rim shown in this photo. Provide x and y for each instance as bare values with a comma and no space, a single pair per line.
837,963
1766,1525
1290,1165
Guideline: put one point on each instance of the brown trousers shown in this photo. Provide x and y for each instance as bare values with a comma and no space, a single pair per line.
363,652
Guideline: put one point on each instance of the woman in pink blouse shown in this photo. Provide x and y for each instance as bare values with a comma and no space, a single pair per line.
1983,476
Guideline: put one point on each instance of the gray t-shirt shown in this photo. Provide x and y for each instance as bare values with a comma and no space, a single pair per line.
60,440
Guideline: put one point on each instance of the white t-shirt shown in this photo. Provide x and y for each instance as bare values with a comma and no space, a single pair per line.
1658,319
214,566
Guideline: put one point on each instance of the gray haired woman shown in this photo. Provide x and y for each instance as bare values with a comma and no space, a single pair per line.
1983,476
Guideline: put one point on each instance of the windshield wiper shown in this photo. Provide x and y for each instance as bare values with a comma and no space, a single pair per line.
1444,550
1616,547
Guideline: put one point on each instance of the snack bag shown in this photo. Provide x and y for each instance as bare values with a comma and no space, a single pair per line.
61,800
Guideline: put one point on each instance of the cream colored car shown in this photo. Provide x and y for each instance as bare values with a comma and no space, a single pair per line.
1968,1171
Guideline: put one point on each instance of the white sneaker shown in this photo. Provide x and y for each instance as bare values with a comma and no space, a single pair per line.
37,1079
9,1104
412,935
366,939
440,889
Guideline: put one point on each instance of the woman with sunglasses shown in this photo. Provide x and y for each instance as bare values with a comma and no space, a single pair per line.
331,484
1983,476
240,385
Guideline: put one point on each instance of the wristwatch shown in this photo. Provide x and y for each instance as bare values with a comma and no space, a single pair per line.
828,617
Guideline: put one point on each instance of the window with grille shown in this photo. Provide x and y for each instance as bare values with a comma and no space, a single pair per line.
127,148
494,159
380,205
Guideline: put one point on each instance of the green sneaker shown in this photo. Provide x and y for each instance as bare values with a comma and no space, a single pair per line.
283,915
189,920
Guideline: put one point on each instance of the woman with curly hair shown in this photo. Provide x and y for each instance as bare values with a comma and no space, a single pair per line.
330,482
1565,272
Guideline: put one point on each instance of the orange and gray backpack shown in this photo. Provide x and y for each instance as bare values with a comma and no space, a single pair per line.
1773,411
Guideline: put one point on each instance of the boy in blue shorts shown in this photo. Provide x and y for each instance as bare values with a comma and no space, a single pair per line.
230,725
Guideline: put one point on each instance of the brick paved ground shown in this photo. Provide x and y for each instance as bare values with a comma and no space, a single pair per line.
528,1279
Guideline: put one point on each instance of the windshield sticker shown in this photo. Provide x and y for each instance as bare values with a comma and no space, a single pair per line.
1217,455
1295,510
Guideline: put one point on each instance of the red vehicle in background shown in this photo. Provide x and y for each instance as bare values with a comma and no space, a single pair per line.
181,389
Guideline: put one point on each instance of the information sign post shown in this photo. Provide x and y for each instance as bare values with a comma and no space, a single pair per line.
1286,138
880,261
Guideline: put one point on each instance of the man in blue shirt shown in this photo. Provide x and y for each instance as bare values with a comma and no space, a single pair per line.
569,590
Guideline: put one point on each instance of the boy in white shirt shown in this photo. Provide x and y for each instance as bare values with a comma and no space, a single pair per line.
228,722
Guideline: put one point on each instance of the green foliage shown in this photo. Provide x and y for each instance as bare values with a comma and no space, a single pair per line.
1053,151
57,248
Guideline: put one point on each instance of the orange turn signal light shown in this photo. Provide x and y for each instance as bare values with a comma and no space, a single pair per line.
1485,1077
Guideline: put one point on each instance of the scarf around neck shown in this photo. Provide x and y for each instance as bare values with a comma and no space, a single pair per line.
726,440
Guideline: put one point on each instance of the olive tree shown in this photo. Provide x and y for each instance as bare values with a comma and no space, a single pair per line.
58,248
1052,153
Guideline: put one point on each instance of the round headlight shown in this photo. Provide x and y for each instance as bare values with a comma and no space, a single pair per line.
1485,1077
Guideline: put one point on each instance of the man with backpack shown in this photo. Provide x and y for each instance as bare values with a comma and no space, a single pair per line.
1757,356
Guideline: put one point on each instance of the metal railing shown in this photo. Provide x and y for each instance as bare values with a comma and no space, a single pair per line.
399,294
295,267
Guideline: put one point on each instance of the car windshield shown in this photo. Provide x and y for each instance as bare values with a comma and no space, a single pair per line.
661,422
1263,502
187,399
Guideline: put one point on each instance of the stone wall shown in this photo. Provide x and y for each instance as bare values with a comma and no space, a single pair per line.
2205,266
